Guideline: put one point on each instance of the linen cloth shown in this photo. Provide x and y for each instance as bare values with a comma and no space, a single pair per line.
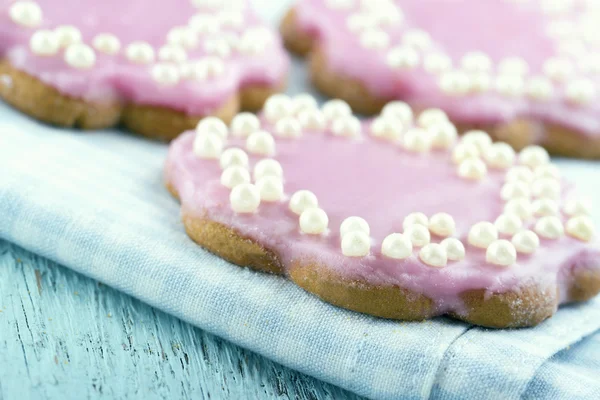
96,202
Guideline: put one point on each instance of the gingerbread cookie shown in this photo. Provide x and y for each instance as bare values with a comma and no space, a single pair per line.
156,67
394,217
527,71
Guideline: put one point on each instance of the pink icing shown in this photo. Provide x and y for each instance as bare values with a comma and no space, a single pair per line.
500,28
383,184
115,77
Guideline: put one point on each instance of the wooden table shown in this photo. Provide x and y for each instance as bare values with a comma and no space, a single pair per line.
64,336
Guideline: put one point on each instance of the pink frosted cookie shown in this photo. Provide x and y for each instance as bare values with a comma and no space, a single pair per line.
528,71
401,221
155,66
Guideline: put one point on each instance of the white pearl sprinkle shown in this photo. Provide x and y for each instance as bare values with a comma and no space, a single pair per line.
230,19
476,62
480,82
546,187
455,83
513,66
417,39
353,224
574,207
455,249
349,126
302,200
67,35
499,155
558,69
277,107
437,63
513,190
244,198
417,140
519,206
244,124
360,22
478,138
207,68
339,4
107,43
398,110
165,74
510,85
549,227
434,255
234,157
356,244
418,234
288,127
218,46
140,53
26,13
209,146
472,168
313,221
519,174
172,53
508,224
233,176
334,109
387,128
270,188
212,125
80,56
539,88
482,234
444,135
501,252
416,218
543,207
267,167
464,151
44,43
581,228
396,246
442,224
375,39
182,36
400,58
526,241
312,120
202,24
534,156
581,91
304,102
548,171
431,117
261,143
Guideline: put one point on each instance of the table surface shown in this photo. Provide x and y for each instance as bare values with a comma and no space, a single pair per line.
64,336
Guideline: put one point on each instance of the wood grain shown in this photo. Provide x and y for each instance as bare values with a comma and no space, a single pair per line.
65,336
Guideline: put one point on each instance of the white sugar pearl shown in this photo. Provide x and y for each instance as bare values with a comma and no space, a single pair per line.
270,188
398,110
80,56
386,128
526,241
230,19
549,227
234,157
574,207
44,43
219,47
208,146
546,187
464,151
417,140
416,218
212,125
434,255
314,221
482,234
478,138
444,135
356,244
499,155
543,207
400,58
182,36
348,126
140,53
304,102
107,43
396,246
480,82
375,39
207,68
267,167
277,107
261,143
476,62
472,168
534,156
339,4
165,74
249,46
302,200
590,63
67,35
352,224
539,88
418,234
431,117
513,190
26,13
288,127
172,53
547,171
437,63
519,174
581,91
244,124
334,109
359,22
558,69
202,24
508,224
455,83
442,224
510,85
513,66
455,249
244,198
417,39
233,176
581,228
501,252
519,206
312,120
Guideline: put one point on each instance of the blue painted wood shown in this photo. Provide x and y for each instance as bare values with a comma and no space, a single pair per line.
65,336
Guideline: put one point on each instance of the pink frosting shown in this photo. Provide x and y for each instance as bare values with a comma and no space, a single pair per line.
499,28
382,184
115,77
